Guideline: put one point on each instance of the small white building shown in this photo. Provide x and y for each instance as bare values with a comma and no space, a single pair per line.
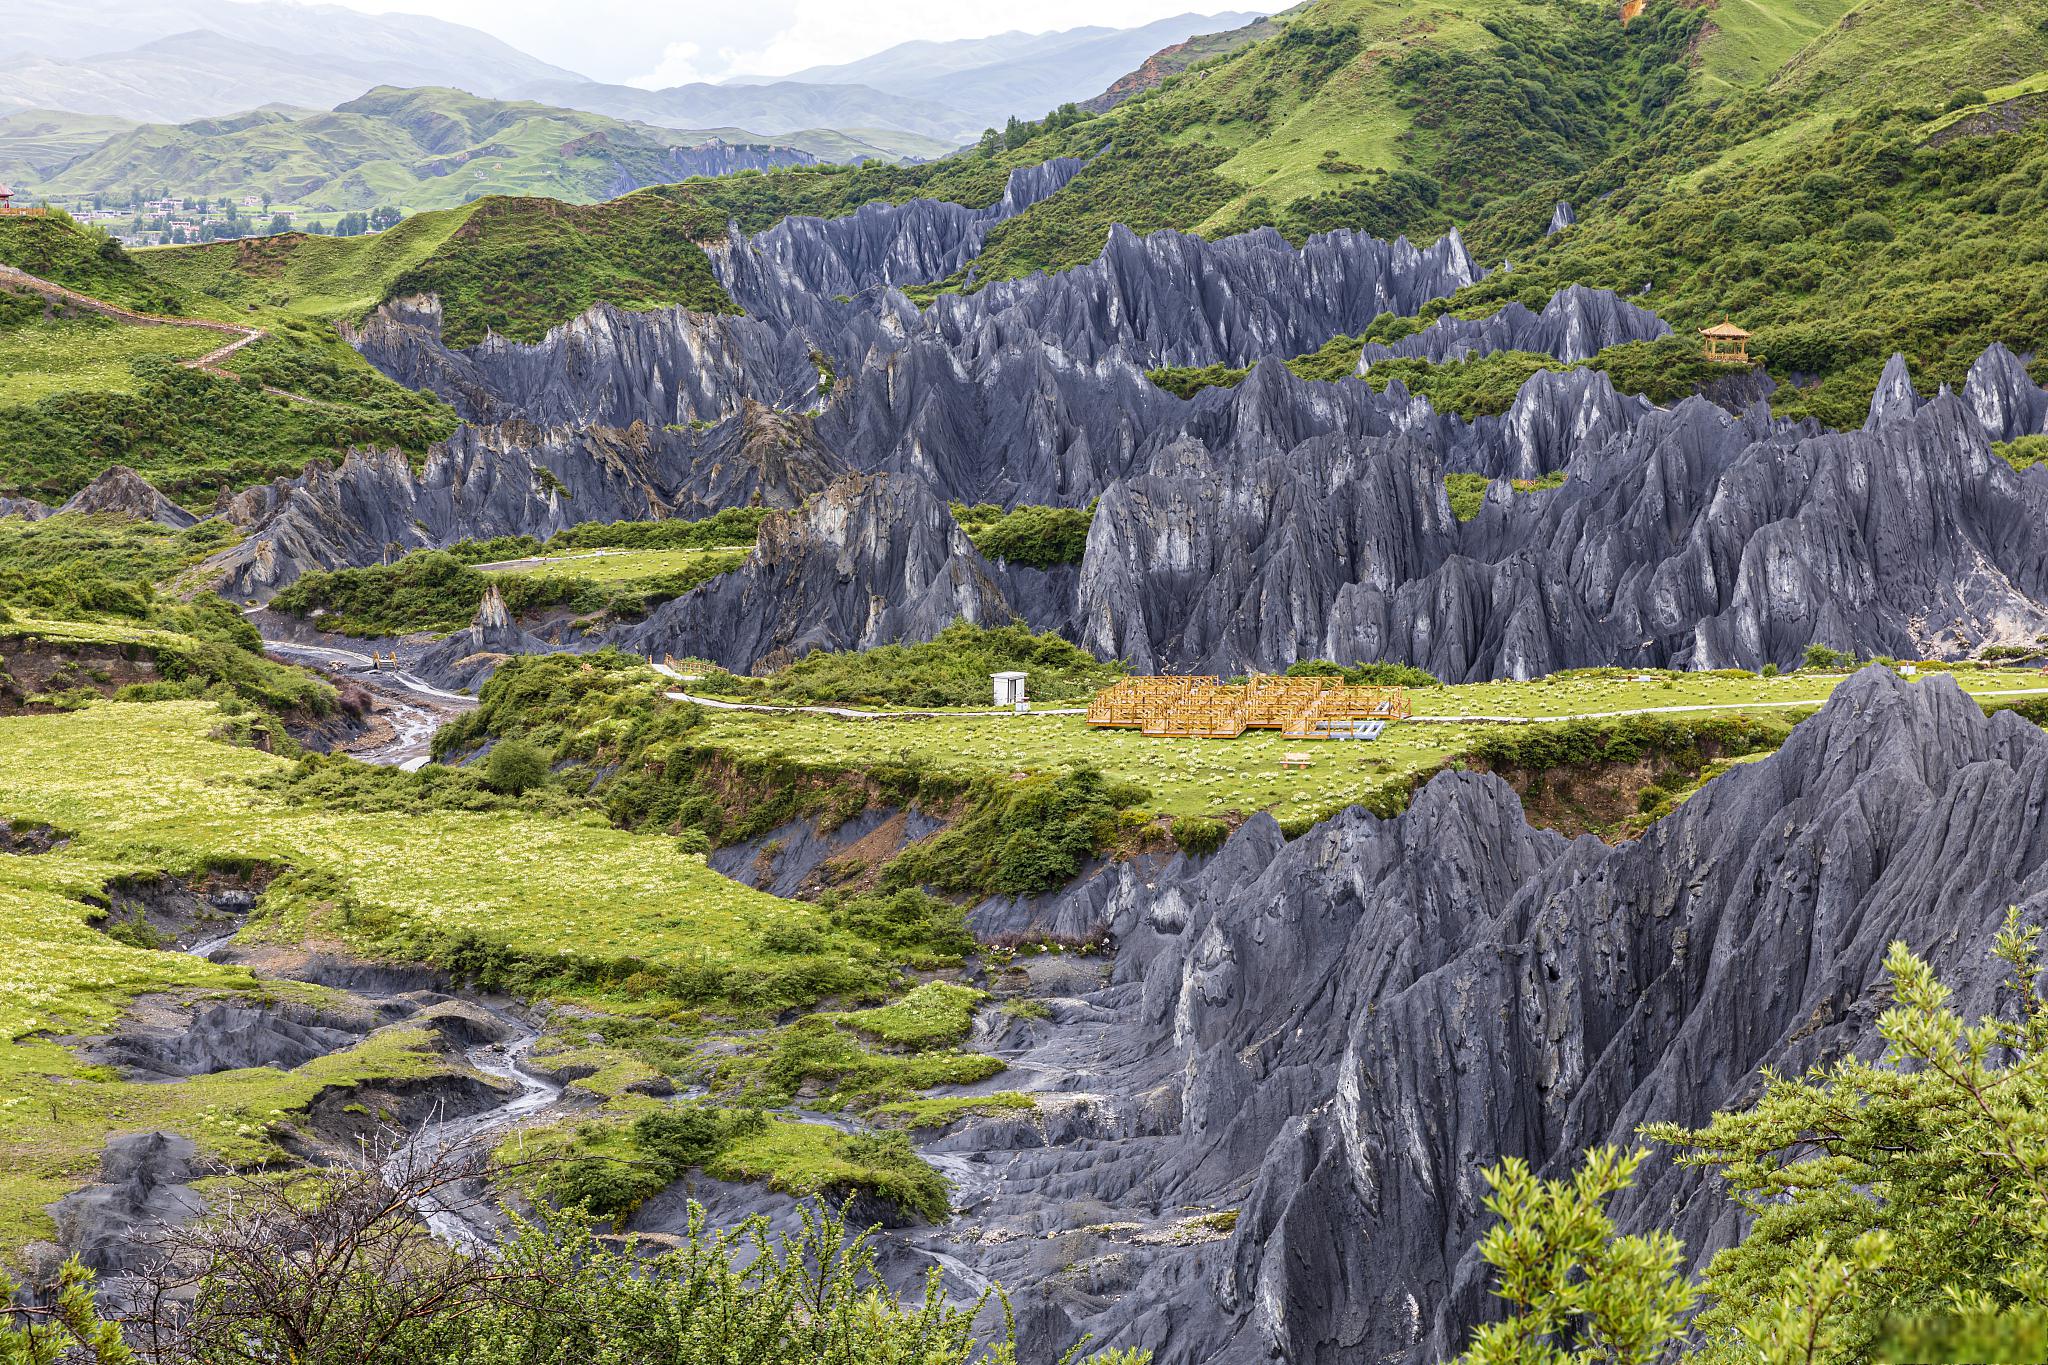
1010,691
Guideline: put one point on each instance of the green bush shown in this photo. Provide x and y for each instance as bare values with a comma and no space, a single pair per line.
1868,227
1198,835
951,670
906,921
1019,838
1040,537
1467,494
515,766
1820,656
1366,675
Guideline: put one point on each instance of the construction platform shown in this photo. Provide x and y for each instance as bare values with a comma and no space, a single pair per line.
1206,708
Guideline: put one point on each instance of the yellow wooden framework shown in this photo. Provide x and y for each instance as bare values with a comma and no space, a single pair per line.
1203,708
1726,344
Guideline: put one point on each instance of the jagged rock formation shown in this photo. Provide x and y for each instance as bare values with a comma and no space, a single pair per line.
1334,1035
607,367
466,659
1561,217
1005,419
513,479
1576,325
1242,528
2006,401
875,246
809,583
121,492
1684,537
1171,298
28,509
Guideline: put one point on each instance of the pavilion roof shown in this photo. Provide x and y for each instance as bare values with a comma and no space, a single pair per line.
1724,331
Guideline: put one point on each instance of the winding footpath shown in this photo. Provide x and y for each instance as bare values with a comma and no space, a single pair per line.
210,363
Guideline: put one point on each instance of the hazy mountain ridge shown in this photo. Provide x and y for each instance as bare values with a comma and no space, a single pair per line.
185,59
774,108
424,148
1021,74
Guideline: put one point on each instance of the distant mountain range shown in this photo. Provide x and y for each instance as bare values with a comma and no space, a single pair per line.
219,97
771,109
1025,74
176,61
422,149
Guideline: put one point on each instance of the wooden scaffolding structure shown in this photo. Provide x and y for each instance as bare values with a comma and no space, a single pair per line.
1204,708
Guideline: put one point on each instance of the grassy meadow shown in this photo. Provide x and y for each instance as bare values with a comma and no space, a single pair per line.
1212,777
46,358
625,566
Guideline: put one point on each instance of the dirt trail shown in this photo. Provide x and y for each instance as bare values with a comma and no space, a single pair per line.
10,277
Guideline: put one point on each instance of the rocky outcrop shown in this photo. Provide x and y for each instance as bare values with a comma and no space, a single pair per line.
877,245
514,479
146,1184
2004,398
1561,217
1685,537
465,660
1333,1036
1576,325
1172,298
1003,419
875,559
607,367
28,509
121,492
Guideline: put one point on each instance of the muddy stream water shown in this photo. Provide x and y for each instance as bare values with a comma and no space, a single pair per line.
411,710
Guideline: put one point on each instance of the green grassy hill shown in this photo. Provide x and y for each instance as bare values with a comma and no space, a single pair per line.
1901,52
523,265
422,148
1746,41
35,143
79,392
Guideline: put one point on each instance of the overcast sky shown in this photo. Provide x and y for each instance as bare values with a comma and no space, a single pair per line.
654,44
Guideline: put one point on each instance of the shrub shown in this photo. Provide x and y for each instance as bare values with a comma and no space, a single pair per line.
1040,537
1820,656
515,766
1868,227
1019,838
1467,494
1366,675
1198,835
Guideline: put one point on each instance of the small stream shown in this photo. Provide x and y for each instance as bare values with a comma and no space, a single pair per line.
452,1219
414,707
460,1215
